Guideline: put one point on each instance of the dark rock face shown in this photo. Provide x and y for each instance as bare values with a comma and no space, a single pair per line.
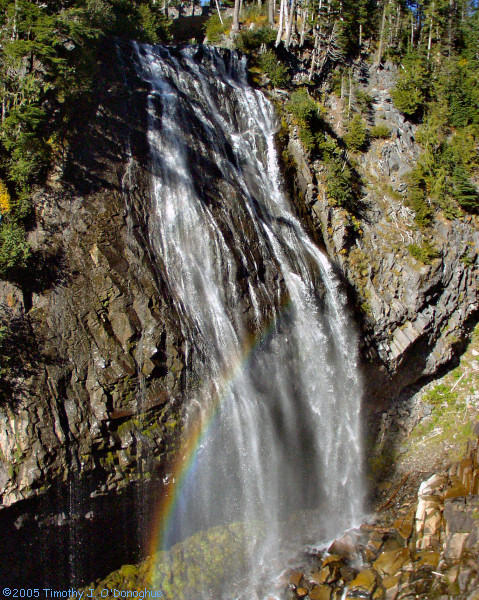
414,316
99,386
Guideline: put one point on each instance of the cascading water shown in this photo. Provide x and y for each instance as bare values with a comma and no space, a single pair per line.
274,375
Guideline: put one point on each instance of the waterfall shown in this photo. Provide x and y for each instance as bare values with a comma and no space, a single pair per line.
274,384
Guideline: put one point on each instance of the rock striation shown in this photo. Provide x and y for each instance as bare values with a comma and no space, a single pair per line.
414,316
97,388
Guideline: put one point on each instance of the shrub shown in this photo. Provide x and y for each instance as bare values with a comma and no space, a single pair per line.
154,26
214,29
339,183
464,191
363,101
274,69
251,39
5,202
254,14
412,87
357,135
14,249
425,253
380,131
302,106
417,201
308,139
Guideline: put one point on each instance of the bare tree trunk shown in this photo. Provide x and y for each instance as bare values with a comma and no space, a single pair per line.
315,53
397,26
303,27
412,31
14,28
429,39
381,36
350,97
282,8
219,12
271,12
236,11
289,24
360,35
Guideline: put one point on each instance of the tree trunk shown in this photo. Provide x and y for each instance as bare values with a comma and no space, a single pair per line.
429,39
303,27
412,32
280,24
14,28
235,26
219,12
289,25
350,97
271,12
381,36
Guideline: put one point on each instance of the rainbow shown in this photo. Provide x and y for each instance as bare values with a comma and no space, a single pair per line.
196,433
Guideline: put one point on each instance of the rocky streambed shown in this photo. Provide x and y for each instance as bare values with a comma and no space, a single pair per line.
427,547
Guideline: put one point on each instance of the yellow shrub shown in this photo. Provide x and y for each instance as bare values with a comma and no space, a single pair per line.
5,205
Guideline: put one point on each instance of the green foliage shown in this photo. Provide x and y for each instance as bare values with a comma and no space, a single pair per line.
464,191
335,82
274,69
441,178
340,183
215,30
440,394
363,101
14,249
356,136
303,108
152,25
456,84
380,131
412,87
250,40
418,202
425,253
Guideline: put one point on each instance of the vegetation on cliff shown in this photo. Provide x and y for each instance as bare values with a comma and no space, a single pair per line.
434,44
48,57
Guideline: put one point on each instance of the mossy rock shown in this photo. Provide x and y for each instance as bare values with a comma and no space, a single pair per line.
197,566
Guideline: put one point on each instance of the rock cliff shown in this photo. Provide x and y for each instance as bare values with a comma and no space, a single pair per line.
414,316
96,376
96,372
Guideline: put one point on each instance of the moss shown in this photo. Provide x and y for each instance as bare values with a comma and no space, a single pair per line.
201,563
450,425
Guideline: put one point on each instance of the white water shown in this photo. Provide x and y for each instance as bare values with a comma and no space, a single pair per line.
286,438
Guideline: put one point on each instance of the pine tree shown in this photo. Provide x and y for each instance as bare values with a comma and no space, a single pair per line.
464,191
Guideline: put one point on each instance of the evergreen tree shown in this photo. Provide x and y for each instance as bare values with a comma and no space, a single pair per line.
464,190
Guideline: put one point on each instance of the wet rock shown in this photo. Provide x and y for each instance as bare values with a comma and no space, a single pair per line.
405,525
344,546
295,578
363,584
427,558
320,592
328,574
389,563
